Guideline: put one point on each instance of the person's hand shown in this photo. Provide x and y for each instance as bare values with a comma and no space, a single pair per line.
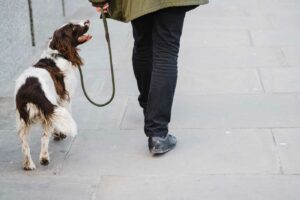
105,8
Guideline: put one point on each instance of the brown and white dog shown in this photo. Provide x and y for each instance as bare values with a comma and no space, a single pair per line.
43,91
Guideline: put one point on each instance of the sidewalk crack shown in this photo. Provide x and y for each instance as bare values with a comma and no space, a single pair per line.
250,38
94,193
260,80
57,171
283,60
124,114
277,153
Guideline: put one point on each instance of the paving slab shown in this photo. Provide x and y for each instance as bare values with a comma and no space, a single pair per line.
7,113
219,81
192,59
280,8
287,141
214,9
125,82
286,22
275,38
262,111
46,188
223,111
281,80
89,117
199,187
198,152
226,23
292,56
207,38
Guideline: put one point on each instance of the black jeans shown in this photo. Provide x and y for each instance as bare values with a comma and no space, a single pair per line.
156,46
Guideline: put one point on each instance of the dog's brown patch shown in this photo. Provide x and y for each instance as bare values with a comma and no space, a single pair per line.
56,75
31,92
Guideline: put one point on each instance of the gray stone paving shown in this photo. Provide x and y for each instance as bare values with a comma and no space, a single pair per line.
236,115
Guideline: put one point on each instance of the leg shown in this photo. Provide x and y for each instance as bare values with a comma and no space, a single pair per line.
23,131
142,55
63,123
58,135
44,155
167,29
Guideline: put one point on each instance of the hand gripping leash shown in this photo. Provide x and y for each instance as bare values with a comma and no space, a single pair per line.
111,68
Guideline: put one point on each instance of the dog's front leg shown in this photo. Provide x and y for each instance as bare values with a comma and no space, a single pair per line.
57,134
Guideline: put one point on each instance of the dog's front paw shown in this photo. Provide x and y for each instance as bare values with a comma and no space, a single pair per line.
28,165
62,136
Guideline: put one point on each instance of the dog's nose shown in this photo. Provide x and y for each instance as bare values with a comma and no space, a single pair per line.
87,23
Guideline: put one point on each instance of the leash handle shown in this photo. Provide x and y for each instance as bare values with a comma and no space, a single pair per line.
111,68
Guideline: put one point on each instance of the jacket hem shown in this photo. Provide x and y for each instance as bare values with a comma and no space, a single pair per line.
165,5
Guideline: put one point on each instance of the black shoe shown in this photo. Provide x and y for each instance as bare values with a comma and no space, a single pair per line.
161,145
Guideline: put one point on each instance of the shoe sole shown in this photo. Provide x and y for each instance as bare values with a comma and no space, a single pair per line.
156,152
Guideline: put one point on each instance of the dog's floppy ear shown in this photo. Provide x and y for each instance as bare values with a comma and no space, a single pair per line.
64,45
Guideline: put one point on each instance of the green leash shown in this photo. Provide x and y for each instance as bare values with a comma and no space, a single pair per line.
111,68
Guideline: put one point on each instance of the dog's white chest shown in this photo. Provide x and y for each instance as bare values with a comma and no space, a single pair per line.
70,82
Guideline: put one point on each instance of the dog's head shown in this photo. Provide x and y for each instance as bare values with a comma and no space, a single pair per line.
68,37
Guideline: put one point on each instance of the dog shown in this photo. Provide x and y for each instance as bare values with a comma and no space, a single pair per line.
43,91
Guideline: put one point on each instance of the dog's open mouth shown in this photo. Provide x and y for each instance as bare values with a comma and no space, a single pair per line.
84,38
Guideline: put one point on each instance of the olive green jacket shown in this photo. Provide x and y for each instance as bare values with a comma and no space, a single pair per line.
127,10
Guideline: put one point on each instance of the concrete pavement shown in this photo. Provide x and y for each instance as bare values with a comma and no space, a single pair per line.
236,115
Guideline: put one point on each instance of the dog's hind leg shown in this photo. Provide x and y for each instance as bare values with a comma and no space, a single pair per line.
23,131
44,155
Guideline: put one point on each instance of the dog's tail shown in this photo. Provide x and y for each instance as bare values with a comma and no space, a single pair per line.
63,122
